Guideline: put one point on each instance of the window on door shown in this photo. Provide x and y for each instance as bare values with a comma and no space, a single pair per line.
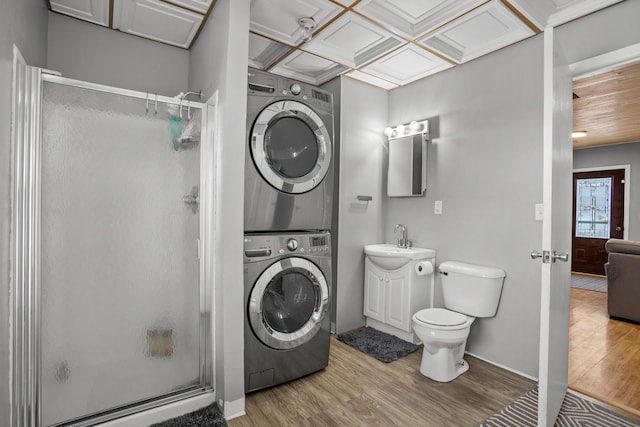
598,214
593,207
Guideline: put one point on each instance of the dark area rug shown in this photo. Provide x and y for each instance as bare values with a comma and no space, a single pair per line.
382,346
575,411
208,416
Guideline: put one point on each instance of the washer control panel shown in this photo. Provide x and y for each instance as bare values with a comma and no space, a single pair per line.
263,246
261,83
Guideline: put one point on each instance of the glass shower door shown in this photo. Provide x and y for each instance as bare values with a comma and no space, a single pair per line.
120,276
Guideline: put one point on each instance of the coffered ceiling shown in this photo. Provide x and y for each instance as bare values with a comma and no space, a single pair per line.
177,22
387,43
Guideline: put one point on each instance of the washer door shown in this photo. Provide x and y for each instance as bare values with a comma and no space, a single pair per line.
288,303
290,147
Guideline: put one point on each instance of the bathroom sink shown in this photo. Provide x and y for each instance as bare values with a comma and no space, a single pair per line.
391,257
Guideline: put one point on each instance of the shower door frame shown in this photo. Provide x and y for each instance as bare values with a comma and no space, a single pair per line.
25,351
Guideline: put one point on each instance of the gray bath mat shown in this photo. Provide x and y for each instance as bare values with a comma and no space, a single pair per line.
382,346
590,283
575,411
208,416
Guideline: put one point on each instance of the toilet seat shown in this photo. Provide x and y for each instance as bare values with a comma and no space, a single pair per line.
440,317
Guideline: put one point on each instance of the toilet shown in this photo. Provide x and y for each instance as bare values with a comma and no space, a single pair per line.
469,291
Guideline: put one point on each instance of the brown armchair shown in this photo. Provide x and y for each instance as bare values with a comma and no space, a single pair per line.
623,279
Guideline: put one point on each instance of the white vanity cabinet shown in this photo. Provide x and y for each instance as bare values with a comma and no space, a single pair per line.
386,295
391,297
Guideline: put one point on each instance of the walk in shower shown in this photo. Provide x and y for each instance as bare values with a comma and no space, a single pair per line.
111,284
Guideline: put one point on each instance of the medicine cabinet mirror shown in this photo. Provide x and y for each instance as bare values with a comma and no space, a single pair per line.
407,172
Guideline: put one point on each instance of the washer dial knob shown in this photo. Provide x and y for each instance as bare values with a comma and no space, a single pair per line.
292,244
295,88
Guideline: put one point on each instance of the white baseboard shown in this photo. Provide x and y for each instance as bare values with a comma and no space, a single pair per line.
233,409
506,368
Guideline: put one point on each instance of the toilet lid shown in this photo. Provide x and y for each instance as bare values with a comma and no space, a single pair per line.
441,317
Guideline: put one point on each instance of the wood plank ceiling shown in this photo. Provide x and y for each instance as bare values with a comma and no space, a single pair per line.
607,107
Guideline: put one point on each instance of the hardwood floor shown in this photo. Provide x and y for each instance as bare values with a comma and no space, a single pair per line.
358,390
604,355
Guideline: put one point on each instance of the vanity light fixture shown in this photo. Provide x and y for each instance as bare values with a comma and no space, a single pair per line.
407,129
578,133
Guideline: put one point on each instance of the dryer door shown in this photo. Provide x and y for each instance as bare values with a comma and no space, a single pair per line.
290,146
288,303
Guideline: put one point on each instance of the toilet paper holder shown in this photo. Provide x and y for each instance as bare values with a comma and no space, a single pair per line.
424,268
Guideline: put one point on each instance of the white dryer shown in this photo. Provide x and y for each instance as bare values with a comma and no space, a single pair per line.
289,156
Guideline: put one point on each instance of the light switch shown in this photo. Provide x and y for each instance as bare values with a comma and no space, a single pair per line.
437,207
539,211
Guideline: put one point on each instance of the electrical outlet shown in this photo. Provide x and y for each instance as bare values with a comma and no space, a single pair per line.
437,207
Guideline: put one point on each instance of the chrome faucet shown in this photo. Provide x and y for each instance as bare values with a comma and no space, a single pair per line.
403,242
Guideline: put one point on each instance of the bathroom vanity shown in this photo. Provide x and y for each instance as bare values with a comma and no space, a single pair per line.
397,283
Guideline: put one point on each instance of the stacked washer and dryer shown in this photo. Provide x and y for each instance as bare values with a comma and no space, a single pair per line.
287,247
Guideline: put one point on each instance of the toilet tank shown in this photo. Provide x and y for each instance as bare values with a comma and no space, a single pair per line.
471,289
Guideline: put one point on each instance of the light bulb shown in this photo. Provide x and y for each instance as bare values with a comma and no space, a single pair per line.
401,129
578,134
388,131
415,126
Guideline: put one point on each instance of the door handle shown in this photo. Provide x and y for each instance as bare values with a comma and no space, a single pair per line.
549,257
544,255
618,228
564,257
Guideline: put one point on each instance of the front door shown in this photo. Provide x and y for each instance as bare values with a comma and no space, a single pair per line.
598,214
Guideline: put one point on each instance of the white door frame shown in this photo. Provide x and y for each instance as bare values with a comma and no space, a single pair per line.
627,190
598,65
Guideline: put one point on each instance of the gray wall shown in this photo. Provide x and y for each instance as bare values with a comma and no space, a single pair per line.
363,117
485,165
23,23
219,63
615,155
609,29
92,53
